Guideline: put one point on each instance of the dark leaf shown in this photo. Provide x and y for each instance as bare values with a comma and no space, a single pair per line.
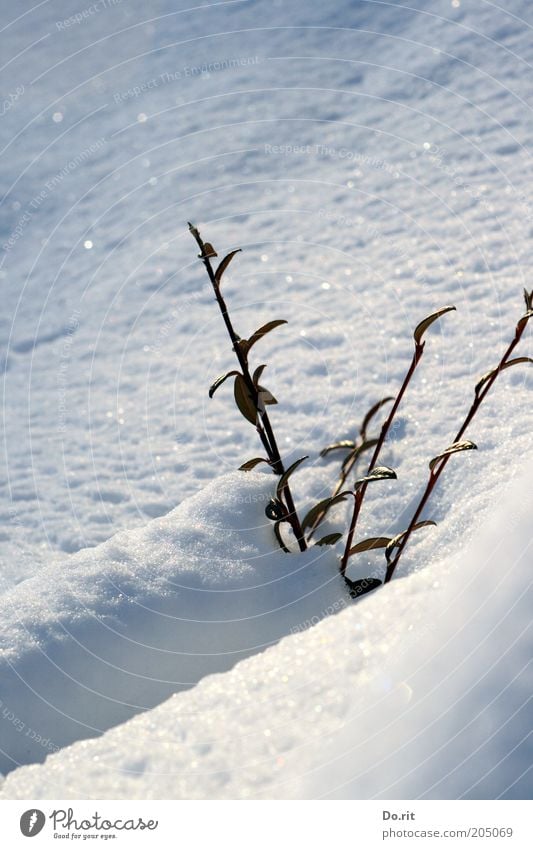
528,298
251,464
329,539
286,475
244,400
523,321
354,456
246,344
258,373
322,507
427,322
242,345
505,365
369,544
378,473
277,531
265,396
453,449
361,587
220,380
208,251
345,444
372,412
397,540
224,264
274,510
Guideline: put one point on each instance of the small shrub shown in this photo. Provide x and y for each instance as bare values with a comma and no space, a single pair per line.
252,399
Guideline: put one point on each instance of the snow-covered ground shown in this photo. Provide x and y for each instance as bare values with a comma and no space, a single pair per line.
116,629
423,690
373,161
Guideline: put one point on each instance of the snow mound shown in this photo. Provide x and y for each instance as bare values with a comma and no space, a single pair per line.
116,629
420,690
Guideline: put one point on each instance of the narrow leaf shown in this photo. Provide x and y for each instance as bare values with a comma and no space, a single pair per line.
329,539
363,586
499,368
208,251
523,321
265,395
369,544
322,507
251,464
262,331
396,541
378,473
427,322
277,531
219,381
372,412
286,475
345,444
242,345
351,458
243,400
453,449
274,510
258,373
224,264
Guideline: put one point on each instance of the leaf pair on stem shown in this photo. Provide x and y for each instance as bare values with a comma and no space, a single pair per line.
395,546
438,464
372,474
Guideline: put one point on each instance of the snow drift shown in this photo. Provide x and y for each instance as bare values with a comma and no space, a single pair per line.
116,629
365,194
421,689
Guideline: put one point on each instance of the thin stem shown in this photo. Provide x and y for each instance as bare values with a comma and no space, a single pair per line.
360,494
438,470
480,396
343,477
263,425
339,486
417,356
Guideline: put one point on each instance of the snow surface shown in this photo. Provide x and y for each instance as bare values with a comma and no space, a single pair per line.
118,628
421,690
373,160
110,350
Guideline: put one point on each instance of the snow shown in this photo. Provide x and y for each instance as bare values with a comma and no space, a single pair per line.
421,690
373,161
110,349
117,628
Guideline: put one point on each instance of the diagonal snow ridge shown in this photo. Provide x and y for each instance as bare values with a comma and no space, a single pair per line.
422,690
114,630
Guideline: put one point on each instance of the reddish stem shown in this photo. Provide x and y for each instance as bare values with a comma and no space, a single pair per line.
360,494
435,474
